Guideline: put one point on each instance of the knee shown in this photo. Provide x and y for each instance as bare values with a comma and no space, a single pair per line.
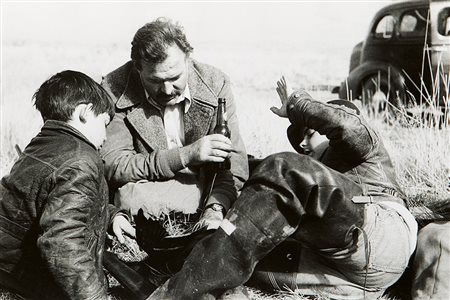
286,156
435,234
432,262
289,166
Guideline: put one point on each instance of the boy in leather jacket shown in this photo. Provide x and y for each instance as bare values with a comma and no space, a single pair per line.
54,209
338,198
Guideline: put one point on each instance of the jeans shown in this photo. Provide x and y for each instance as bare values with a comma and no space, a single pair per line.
378,260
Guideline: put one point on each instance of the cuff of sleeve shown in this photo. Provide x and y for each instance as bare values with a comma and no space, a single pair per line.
171,162
115,211
294,99
126,214
219,198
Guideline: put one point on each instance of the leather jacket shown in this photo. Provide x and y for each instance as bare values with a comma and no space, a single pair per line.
54,214
355,149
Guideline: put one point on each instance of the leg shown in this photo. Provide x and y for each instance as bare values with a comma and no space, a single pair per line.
287,193
363,270
432,262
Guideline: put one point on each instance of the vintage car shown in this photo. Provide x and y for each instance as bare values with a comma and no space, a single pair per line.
406,55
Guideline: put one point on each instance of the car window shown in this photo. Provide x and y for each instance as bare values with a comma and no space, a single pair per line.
384,29
413,23
444,21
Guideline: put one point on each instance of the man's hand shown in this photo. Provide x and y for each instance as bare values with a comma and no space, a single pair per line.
283,93
210,219
121,225
210,148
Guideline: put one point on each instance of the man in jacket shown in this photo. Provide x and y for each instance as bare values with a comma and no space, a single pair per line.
161,138
340,202
54,209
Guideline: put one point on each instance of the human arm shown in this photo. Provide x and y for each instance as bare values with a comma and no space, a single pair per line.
73,220
348,133
124,163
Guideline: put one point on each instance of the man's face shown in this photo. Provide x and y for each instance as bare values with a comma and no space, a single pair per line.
314,143
165,81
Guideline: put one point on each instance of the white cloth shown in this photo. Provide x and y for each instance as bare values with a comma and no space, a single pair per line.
156,198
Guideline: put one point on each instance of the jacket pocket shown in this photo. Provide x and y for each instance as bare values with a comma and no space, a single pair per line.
12,228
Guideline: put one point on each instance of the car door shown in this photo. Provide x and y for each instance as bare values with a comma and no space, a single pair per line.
411,40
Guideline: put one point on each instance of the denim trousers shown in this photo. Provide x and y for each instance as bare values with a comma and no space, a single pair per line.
349,250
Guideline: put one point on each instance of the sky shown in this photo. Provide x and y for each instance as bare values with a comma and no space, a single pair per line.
316,23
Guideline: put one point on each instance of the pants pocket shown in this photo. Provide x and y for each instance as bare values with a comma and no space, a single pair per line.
388,242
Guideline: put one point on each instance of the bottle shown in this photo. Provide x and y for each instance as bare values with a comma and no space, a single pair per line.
222,128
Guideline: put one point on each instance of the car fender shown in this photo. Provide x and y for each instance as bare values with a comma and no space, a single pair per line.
355,57
352,85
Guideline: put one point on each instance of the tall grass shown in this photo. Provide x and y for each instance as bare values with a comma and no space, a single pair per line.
417,136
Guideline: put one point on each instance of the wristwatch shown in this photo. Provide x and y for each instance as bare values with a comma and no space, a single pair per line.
216,207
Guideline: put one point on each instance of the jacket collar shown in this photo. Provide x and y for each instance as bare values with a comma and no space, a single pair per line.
147,120
134,92
55,125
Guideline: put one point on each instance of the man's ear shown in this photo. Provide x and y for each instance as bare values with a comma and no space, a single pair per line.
83,111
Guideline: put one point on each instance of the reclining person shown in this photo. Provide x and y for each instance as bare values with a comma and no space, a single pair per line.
338,198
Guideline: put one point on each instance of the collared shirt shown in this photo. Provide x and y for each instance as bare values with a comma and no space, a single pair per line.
173,117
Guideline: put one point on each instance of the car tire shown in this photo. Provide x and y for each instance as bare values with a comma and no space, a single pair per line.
376,93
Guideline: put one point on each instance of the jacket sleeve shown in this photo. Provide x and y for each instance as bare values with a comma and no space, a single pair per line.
227,184
123,164
63,244
348,133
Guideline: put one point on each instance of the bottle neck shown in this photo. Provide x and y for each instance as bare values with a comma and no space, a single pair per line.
221,114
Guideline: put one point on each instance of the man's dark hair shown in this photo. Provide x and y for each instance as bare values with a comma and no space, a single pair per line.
151,41
57,97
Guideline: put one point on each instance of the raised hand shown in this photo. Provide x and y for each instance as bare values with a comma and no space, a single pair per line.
283,93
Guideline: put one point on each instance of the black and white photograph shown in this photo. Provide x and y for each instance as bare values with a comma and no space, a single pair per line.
229,150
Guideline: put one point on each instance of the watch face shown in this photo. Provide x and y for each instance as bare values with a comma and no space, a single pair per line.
217,207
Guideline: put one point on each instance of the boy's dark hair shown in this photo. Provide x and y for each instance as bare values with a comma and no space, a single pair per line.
151,41
57,97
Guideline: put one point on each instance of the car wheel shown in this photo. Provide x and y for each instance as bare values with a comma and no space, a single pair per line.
378,95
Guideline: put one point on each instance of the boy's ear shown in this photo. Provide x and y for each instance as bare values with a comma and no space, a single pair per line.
83,111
